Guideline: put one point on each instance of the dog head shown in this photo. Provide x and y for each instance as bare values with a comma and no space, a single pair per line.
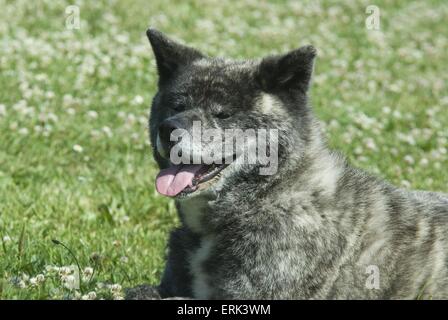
209,113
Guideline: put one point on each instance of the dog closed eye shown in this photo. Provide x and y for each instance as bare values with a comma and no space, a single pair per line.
220,112
178,107
222,115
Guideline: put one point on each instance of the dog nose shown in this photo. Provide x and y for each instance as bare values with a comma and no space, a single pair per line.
166,128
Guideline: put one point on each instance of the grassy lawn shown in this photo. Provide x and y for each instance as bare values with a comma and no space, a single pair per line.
75,163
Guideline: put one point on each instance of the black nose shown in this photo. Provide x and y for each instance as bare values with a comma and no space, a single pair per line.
165,130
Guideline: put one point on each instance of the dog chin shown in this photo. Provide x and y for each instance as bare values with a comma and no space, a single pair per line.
218,184
209,188
185,181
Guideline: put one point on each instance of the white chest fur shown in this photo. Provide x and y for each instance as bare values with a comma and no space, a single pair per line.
193,211
201,281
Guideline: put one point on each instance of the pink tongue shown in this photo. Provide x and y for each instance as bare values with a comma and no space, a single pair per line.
173,180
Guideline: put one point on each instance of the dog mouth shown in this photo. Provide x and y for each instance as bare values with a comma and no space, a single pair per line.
184,179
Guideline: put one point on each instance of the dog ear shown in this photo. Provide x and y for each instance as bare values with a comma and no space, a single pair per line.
289,71
170,55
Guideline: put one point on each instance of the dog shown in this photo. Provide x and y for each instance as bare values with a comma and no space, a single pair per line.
317,228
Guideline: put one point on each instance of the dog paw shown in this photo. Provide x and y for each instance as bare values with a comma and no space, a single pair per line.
142,292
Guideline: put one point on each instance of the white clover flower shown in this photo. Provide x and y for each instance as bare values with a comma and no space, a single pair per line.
6,238
124,259
77,148
405,184
41,77
91,295
424,162
33,282
42,117
70,282
52,117
431,112
115,287
370,144
358,150
397,114
20,106
121,114
394,151
49,94
2,110
63,271
13,126
409,159
107,131
92,114
40,278
28,111
142,120
77,295
100,285
138,100
51,269
23,131
21,284
88,271
130,119
103,72
363,159
442,141
444,100
334,124
95,133
435,154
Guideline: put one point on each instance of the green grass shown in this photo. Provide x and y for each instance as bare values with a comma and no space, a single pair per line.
383,95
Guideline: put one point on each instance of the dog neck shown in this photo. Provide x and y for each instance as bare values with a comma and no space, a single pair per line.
316,171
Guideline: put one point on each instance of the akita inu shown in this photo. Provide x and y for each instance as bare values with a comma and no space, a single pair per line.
315,229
